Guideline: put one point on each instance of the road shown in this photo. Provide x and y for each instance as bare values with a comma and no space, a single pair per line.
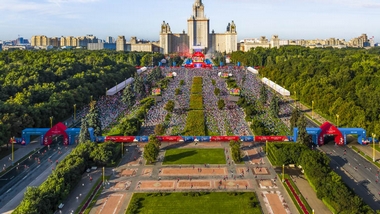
14,195
359,174
356,172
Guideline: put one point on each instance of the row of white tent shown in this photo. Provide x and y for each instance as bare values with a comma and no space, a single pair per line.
252,70
270,83
275,87
122,85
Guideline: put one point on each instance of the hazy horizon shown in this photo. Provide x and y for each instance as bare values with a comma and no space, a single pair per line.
291,19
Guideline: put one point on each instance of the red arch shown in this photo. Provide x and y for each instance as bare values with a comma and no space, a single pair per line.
57,129
328,128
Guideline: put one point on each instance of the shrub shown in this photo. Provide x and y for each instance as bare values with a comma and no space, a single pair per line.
216,91
221,104
169,106
178,91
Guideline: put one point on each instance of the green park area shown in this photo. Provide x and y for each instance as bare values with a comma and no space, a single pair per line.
194,203
194,156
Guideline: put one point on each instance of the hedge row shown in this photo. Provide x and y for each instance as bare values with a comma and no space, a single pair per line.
59,184
196,102
196,87
195,123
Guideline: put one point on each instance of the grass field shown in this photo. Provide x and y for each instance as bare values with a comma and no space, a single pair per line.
215,202
194,156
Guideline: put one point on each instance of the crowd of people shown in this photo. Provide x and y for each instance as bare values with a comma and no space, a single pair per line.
250,89
228,121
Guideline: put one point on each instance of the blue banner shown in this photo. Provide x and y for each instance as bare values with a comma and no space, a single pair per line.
188,138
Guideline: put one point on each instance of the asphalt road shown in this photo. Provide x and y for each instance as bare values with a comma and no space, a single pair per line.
34,176
359,174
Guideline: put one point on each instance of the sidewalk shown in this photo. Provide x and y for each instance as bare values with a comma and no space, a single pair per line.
79,193
307,111
311,197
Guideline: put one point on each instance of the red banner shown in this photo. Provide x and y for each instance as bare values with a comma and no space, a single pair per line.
270,138
120,139
224,138
170,138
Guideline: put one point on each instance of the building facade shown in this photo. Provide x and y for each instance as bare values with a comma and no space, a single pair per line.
198,36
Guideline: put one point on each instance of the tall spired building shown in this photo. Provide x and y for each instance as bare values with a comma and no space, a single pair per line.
198,36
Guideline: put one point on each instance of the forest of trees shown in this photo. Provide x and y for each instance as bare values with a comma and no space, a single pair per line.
339,81
36,85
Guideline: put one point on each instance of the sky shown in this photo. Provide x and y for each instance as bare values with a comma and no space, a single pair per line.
289,19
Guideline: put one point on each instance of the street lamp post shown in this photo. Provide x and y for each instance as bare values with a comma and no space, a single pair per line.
266,147
312,109
295,92
103,177
91,98
373,141
51,122
283,172
106,91
337,120
13,155
75,107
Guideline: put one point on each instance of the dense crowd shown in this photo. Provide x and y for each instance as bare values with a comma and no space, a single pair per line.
250,88
228,121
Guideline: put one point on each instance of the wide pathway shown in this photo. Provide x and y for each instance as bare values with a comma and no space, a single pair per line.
315,203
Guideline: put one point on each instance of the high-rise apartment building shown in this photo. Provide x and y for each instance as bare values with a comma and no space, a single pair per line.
120,43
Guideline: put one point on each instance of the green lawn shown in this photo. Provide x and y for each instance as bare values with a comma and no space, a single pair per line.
194,156
215,202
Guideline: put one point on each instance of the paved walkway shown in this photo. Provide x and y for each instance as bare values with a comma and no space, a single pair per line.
311,197
81,191
131,174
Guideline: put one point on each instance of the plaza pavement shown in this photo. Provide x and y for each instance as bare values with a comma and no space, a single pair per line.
122,187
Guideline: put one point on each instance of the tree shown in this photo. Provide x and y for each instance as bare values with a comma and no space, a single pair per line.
221,104
263,94
138,85
128,96
84,135
159,129
169,106
216,91
303,136
93,119
235,150
150,152
294,118
152,148
274,105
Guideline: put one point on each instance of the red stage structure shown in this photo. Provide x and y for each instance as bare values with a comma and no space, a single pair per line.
198,60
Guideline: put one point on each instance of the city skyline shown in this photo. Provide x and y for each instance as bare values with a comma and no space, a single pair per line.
293,19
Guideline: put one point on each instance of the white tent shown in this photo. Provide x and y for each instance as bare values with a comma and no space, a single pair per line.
252,70
276,87
120,86
124,84
141,70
